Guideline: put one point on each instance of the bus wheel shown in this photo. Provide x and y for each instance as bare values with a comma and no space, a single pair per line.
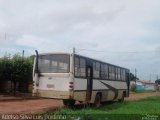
68,102
97,101
122,99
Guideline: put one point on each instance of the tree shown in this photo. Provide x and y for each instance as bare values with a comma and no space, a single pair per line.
16,69
157,81
22,70
132,77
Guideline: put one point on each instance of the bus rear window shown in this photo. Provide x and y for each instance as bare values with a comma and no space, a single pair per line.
55,63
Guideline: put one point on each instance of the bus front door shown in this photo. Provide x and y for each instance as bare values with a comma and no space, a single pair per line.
89,72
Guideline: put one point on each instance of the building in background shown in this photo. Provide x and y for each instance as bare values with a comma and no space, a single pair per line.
144,85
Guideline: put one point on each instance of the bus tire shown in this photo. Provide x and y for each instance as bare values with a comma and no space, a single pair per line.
122,98
97,101
68,102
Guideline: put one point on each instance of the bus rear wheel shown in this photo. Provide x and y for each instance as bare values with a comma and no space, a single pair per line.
68,102
97,101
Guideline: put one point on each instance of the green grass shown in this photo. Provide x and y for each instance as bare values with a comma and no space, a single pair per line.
143,91
117,110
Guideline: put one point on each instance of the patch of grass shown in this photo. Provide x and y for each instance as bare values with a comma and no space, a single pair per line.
116,110
143,91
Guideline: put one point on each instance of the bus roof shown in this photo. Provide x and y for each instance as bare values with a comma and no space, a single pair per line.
52,54
83,57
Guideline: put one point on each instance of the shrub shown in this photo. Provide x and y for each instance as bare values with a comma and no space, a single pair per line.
16,69
133,87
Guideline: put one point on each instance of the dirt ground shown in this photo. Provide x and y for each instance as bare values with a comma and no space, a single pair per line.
40,105
138,96
29,106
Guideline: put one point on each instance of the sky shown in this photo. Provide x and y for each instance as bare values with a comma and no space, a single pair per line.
121,32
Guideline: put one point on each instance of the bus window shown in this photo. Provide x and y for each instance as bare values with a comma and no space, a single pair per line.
76,68
104,71
96,69
119,74
116,73
82,67
123,74
53,66
110,72
113,73
55,63
62,66
45,65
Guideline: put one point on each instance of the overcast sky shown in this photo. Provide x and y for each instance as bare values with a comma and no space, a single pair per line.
122,32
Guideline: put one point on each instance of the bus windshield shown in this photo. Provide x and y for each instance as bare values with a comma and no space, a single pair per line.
53,63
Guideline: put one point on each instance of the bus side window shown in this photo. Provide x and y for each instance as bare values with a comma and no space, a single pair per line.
82,67
76,66
119,74
113,73
110,72
104,71
116,73
96,69
123,74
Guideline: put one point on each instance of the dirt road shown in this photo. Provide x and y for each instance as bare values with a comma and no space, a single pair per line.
29,106
137,96
39,105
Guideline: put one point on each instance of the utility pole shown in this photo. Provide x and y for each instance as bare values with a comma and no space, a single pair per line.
23,54
74,50
135,75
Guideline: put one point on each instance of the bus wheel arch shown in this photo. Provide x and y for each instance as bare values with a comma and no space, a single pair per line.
125,93
98,98
122,98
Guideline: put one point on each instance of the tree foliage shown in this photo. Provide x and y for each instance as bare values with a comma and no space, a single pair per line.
21,68
133,77
16,69
5,68
133,87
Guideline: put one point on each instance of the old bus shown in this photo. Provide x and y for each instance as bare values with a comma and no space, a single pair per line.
72,77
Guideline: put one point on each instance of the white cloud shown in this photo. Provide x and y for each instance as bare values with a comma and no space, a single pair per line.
104,25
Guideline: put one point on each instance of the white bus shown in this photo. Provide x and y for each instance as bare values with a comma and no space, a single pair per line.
72,77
